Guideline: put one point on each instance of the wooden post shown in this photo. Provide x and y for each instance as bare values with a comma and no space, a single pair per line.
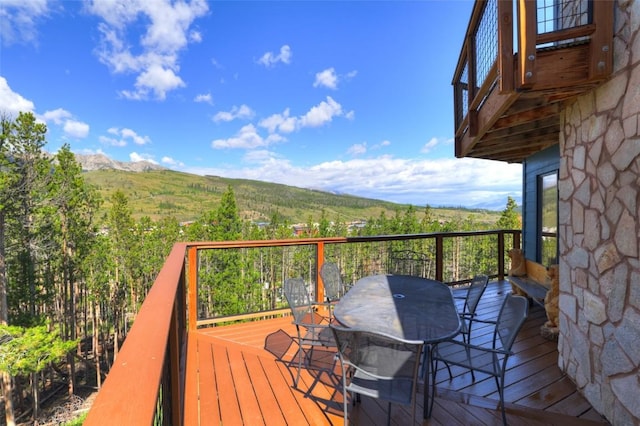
439,258
527,33
505,46
501,255
193,288
601,47
319,262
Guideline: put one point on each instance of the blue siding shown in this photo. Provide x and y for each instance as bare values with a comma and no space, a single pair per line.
540,163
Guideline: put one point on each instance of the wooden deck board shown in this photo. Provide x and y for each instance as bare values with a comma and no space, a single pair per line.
207,389
243,374
268,403
225,386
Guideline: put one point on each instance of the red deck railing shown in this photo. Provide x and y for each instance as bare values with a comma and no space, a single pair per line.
146,382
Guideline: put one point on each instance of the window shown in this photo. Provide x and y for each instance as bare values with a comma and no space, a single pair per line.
548,219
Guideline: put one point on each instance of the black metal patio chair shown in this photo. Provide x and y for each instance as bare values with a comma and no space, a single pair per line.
379,366
490,360
312,328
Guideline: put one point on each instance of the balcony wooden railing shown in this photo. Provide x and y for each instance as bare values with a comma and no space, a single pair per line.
520,60
146,384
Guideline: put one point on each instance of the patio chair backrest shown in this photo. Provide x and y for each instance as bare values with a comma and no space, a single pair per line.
475,292
330,274
512,315
377,354
298,297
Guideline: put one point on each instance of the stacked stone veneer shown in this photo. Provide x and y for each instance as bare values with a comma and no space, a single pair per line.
599,218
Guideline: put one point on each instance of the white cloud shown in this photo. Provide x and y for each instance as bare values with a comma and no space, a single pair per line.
381,144
276,124
12,102
205,98
112,141
317,116
442,182
429,145
282,123
326,78
246,138
241,112
135,157
171,162
19,19
76,129
270,59
321,113
358,149
70,126
329,78
123,137
195,36
57,116
155,61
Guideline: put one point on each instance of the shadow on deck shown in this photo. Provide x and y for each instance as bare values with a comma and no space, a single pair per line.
241,374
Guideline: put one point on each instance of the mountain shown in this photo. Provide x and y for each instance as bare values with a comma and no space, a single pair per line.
102,162
158,192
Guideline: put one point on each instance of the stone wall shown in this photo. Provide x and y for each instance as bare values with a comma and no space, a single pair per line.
599,218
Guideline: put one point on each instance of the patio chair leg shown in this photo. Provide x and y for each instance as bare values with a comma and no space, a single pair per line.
501,392
389,414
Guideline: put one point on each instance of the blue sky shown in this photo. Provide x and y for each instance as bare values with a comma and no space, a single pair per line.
346,96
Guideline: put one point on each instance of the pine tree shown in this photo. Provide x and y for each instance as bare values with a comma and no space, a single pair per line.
510,218
73,207
22,196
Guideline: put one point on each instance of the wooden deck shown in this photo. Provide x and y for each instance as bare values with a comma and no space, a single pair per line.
240,374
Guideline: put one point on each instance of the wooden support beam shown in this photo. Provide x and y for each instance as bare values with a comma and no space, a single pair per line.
527,31
505,46
601,48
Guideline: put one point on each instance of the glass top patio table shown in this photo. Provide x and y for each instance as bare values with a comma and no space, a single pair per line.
408,307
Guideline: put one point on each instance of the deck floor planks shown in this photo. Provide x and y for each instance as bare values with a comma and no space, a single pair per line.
192,398
260,372
208,390
549,395
244,387
270,382
287,401
225,387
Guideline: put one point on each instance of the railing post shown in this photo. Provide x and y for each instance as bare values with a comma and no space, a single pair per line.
193,288
501,255
319,262
439,257
516,239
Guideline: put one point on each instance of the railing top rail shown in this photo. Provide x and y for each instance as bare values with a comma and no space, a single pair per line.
338,240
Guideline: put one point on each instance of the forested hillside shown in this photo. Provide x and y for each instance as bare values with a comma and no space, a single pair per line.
166,193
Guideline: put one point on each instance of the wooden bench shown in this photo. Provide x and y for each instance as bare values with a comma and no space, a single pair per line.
534,284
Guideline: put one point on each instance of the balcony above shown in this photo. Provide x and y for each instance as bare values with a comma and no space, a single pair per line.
520,62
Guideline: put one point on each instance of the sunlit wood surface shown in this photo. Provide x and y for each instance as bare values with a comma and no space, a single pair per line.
241,374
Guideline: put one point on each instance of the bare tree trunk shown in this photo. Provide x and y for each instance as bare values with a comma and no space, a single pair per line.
96,341
6,381
7,391
36,396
